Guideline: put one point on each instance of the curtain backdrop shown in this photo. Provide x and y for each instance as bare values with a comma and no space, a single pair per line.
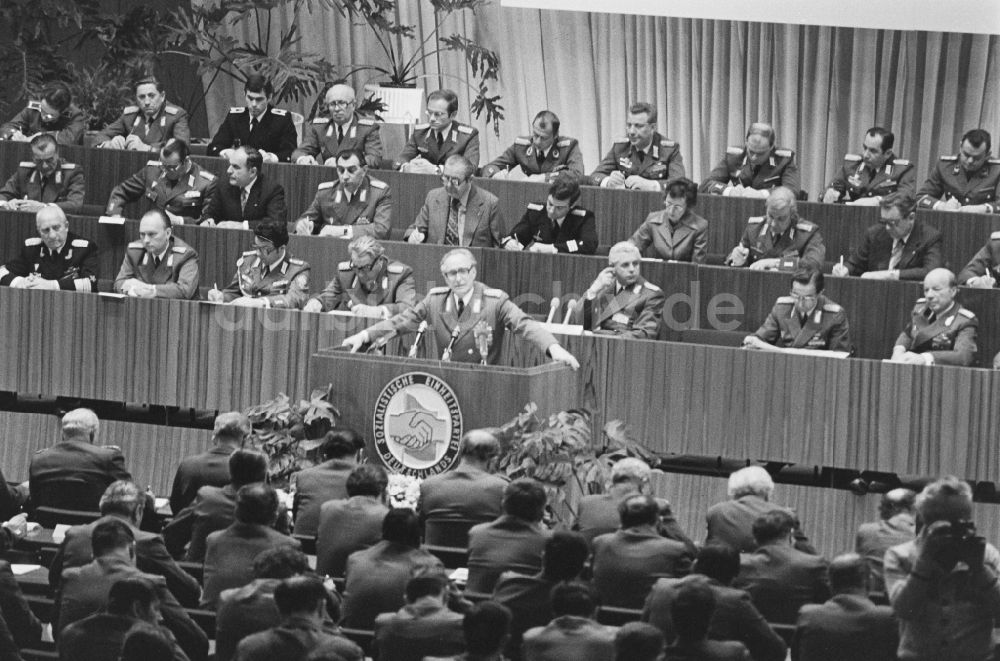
821,87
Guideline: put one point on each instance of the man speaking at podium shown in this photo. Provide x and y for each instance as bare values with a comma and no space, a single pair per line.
458,313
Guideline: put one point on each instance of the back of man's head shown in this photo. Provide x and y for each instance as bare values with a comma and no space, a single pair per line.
132,596
848,574
280,562
896,501
691,611
247,466
231,428
401,526
639,641
750,481
145,642
487,628
525,498
574,598
638,510
257,503
718,561
945,499
80,425
299,594
630,469
125,499
426,582
341,443
367,480
565,556
111,536
774,526
479,446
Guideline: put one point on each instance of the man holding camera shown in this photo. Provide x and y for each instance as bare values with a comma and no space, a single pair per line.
943,585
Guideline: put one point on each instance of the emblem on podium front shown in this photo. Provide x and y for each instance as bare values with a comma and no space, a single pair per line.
418,425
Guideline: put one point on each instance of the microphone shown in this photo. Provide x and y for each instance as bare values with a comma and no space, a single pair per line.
553,306
570,308
421,329
446,356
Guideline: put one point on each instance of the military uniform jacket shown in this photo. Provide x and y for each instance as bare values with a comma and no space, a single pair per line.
175,277
286,285
438,308
687,242
265,203
826,326
186,197
368,211
921,252
564,154
169,122
662,161
75,266
395,290
802,239
633,312
461,139
577,234
734,169
65,187
948,179
986,261
319,140
275,132
856,180
950,337
67,129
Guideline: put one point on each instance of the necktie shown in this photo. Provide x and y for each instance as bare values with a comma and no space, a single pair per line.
243,200
440,140
340,134
540,157
640,156
461,307
897,254
156,262
451,230
254,122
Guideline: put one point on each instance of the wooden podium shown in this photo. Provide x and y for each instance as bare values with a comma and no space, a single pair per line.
413,411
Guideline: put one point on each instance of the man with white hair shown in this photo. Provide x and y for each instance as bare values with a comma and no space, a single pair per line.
74,473
620,301
731,522
779,239
341,129
55,259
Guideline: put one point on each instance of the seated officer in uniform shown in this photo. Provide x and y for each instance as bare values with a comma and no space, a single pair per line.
248,197
158,265
147,125
325,137
55,259
899,247
257,124
354,205
983,268
54,114
805,319
967,182
676,233
456,314
644,159
780,239
175,184
755,169
541,155
864,180
45,179
431,144
369,285
620,301
941,331
558,225
267,276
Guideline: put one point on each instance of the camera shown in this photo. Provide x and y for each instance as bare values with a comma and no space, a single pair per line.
958,542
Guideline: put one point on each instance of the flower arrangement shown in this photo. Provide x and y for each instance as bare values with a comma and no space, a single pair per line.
403,491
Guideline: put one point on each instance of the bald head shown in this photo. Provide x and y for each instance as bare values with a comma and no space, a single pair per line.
479,447
340,102
940,289
52,226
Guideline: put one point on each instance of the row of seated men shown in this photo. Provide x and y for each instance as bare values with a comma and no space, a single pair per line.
756,564
643,160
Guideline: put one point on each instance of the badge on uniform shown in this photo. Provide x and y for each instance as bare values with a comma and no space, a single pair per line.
854,180
620,318
625,163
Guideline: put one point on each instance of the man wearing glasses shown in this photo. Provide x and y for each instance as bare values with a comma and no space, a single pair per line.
325,137
755,169
267,276
457,309
967,182
779,239
644,159
54,114
175,184
369,285
431,143
159,264
248,198
620,301
353,205
45,179
805,319
459,213
898,247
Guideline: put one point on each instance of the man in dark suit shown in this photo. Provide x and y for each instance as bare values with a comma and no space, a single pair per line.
229,553
779,577
644,159
124,501
441,138
620,301
941,331
74,473
459,213
352,524
424,626
848,626
559,225
691,612
514,541
627,562
471,490
257,124
573,632
325,137
896,525
325,481
210,468
248,197
23,626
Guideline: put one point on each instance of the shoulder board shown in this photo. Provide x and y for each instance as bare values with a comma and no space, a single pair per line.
236,110
901,161
921,301
80,243
949,158
136,244
116,448
171,110
649,285
366,122
668,143
127,110
535,207
33,241
207,175
344,266
784,153
180,250
621,141
465,129
26,164
377,183
280,112
321,120
396,268
755,220
493,293
438,290
831,307
326,184
296,261
522,141
994,236
247,253
565,142
735,151
579,212
785,300
967,313
853,158
995,161
34,105
155,164
805,226
69,166
421,127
